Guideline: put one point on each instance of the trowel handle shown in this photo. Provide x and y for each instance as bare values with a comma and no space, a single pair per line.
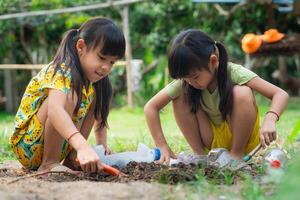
111,170
252,153
106,168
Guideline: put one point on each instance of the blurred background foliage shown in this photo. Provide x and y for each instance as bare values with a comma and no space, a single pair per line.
153,24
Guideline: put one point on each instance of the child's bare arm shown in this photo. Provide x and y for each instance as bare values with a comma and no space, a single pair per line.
100,134
278,96
279,99
61,120
151,110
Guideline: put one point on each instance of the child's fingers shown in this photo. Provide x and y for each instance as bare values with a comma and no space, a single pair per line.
274,134
162,159
272,137
108,151
167,161
267,138
94,167
88,167
262,141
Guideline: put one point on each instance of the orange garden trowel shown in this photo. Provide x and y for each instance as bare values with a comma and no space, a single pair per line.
109,169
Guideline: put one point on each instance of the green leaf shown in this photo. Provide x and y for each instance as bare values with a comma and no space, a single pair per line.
295,132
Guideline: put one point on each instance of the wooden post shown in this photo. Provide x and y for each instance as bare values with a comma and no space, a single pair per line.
282,67
10,90
128,55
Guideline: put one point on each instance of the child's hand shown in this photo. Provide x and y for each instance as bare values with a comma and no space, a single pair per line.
108,151
267,133
89,160
166,154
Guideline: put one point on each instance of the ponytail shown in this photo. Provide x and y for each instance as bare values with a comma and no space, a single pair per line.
103,99
225,85
67,54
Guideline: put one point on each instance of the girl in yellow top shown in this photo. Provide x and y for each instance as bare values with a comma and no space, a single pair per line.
212,99
62,102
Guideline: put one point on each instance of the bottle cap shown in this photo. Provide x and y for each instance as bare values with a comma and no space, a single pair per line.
156,153
276,164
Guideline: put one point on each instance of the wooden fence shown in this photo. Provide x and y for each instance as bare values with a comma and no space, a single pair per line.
10,97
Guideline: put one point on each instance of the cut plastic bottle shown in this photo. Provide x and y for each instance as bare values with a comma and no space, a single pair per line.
274,161
143,154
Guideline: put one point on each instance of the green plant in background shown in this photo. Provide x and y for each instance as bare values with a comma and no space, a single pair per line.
5,131
5,148
153,24
295,132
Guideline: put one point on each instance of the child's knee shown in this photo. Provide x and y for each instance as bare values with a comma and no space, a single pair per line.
243,95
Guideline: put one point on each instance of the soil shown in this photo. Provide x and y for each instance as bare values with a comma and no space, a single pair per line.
143,181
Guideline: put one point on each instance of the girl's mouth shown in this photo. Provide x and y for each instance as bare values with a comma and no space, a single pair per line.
99,74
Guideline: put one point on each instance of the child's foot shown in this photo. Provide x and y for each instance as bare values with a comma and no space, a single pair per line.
56,167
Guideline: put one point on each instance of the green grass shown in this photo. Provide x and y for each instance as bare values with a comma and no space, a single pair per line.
6,127
128,127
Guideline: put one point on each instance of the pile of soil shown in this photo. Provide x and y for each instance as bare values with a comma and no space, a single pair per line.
147,172
232,177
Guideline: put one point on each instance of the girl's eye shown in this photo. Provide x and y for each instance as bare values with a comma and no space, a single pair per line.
112,62
101,57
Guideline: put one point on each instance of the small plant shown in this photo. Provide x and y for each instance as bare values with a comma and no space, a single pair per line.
228,177
251,190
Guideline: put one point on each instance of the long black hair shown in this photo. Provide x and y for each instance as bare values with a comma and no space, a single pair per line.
191,50
95,32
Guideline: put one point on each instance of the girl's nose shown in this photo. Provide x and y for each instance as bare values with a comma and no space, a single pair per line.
190,82
105,68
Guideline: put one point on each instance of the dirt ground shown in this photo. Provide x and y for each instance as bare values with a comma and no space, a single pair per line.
144,181
64,188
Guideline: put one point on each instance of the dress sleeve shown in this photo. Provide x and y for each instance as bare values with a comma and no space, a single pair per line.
59,80
174,88
240,75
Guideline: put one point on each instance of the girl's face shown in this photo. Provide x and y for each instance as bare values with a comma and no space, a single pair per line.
95,66
202,78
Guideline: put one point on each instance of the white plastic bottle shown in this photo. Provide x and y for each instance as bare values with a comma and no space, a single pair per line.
274,161
143,154
275,158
